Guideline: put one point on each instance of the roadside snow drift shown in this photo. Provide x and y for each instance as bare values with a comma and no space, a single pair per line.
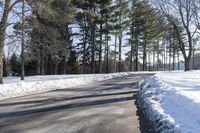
171,101
13,87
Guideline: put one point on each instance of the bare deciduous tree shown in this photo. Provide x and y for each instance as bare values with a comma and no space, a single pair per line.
181,15
3,25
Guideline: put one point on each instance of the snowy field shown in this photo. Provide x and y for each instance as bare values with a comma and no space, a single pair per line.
171,101
13,87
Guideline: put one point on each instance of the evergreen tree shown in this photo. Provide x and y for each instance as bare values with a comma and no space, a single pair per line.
87,20
121,12
51,36
104,16
143,31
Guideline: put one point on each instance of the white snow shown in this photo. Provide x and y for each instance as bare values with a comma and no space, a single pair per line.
13,87
171,101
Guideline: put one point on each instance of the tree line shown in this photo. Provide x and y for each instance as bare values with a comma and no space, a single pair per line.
97,36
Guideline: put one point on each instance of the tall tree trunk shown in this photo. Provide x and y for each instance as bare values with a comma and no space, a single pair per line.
45,65
42,63
165,58
51,62
144,56
170,55
136,54
55,68
178,56
132,36
131,59
149,54
93,51
120,52
163,61
84,54
93,44
158,60
1,62
64,64
100,49
115,55
38,67
23,40
187,58
3,25
120,38
154,60
187,64
193,58
174,55
173,64
107,55
67,38
38,63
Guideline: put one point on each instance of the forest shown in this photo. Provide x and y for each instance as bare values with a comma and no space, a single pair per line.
50,37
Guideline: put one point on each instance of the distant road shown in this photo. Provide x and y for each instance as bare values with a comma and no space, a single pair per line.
103,107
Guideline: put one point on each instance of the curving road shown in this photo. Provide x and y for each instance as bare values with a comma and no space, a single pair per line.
103,107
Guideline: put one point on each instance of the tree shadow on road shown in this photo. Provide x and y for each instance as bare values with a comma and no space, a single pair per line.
63,107
66,98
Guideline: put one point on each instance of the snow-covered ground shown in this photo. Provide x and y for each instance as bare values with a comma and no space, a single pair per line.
13,87
171,101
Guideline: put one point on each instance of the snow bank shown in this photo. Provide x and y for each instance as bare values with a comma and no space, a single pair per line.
171,101
13,87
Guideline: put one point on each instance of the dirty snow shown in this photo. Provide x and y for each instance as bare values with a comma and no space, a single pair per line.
171,100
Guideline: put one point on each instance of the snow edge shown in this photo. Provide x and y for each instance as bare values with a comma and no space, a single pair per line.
22,88
159,121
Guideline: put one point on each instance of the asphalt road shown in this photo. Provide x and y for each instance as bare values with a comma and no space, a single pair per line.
103,107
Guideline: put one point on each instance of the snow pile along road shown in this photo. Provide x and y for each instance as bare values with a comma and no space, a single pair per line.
13,87
171,101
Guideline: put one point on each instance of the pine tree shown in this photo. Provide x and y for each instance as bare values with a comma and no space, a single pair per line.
104,16
87,20
51,33
23,40
121,12
84,36
143,31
